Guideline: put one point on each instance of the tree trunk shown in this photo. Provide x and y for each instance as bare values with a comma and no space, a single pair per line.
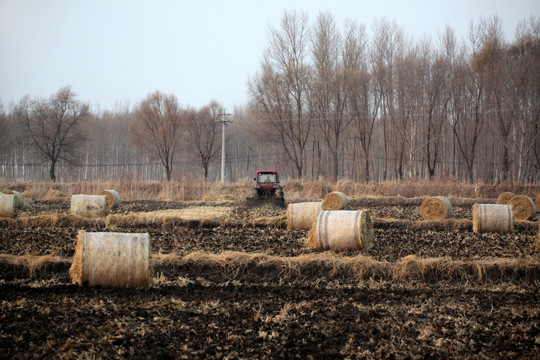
52,170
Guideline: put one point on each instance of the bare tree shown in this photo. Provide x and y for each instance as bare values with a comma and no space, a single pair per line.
158,128
388,45
363,103
203,134
4,133
488,65
522,95
54,125
279,93
468,110
328,89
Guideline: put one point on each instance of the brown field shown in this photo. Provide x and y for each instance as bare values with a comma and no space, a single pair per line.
231,282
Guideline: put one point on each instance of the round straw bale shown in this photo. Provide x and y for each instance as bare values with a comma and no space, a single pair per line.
113,199
494,218
89,205
301,216
20,198
537,243
436,208
8,205
504,197
54,194
112,259
537,202
340,230
335,200
523,207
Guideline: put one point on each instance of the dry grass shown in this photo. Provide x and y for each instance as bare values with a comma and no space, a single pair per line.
327,265
33,264
189,188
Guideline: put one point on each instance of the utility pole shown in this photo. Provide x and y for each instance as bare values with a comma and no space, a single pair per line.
224,120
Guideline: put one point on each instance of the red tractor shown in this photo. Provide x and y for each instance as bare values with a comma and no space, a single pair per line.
267,188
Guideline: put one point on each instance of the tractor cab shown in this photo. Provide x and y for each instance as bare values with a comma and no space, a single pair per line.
267,187
267,177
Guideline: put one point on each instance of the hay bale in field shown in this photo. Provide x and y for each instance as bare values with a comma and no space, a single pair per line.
20,199
335,200
8,206
112,259
505,197
341,230
113,199
54,194
301,216
538,237
537,202
436,208
89,205
523,207
492,218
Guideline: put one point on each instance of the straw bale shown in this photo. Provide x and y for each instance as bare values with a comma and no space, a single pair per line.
335,200
54,194
8,206
112,259
20,198
113,199
505,197
523,207
436,208
89,205
492,218
537,244
341,230
537,202
301,216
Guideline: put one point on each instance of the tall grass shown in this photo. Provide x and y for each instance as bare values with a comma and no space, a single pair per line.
193,189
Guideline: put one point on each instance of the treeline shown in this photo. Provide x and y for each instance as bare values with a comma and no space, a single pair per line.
329,100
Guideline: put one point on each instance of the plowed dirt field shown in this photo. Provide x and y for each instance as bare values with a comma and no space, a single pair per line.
233,286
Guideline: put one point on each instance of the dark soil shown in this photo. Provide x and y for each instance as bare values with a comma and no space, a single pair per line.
205,316
201,320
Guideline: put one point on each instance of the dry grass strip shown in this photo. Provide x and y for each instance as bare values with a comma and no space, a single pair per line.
51,220
330,265
327,265
33,264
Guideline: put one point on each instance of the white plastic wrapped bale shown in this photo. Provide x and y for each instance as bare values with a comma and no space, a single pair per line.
89,206
20,198
302,216
341,230
8,205
492,218
112,259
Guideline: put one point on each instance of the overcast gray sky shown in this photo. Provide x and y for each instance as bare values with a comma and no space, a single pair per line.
117,52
